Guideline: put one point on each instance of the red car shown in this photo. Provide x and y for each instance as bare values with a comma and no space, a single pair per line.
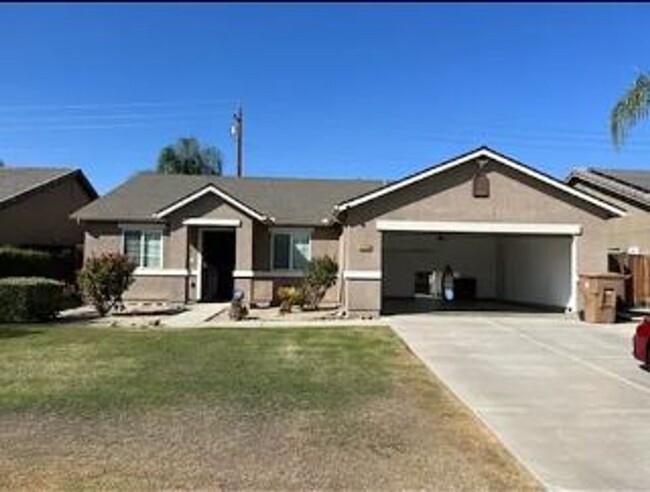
642,342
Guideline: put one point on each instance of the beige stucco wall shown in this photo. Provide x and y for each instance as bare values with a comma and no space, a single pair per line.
363,297
100,238
264,290
324,241
630,231
107,238
514,197
42,218
156,288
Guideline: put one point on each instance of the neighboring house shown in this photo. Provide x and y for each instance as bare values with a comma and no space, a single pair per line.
36,203
521,235
628,189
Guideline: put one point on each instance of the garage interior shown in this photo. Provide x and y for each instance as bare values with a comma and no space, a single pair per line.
504,272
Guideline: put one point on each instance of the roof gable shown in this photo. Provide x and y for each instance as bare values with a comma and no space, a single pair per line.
19,182
211,189
482,152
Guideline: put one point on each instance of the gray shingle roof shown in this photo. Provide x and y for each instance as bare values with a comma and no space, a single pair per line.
632,184
637,178
15,181
290,201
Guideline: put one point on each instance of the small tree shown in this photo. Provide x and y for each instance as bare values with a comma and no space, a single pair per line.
321,275
187,156
104,279
290,296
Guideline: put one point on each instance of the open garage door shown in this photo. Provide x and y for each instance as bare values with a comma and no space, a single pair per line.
486,269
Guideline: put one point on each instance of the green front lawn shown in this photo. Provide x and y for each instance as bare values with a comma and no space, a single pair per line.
298,408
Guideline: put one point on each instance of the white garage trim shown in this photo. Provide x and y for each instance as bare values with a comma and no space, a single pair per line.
481,152
479,227
572,305
198,221
362,274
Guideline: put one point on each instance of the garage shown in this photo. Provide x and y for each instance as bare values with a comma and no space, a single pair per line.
498,233
430,266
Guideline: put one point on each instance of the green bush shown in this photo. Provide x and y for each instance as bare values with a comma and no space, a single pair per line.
104,279
321,275
22,262
71,297
25,299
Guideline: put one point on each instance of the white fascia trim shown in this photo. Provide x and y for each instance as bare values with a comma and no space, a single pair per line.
197,221
162,272
362,274
215,191
268,274
475,155
479,227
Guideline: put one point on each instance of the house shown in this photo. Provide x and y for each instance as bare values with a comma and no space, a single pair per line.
513,232
627,239
36,203
629,190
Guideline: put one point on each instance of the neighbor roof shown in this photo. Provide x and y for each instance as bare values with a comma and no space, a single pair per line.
481,152
16,182
287,201
632,184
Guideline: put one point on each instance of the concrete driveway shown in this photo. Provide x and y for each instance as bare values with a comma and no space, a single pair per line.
565,397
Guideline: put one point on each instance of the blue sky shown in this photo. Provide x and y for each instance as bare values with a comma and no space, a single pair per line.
372,91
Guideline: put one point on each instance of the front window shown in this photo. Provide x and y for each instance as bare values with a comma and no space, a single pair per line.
143,248
291,249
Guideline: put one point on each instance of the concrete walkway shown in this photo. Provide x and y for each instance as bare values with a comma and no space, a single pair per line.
566,398
196,315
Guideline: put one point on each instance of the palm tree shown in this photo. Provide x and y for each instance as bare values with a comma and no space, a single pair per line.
631,108
186,156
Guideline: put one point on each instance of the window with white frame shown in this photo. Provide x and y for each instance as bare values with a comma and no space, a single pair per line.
143,248
290,249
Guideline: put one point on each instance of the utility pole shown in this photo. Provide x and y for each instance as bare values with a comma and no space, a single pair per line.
237,131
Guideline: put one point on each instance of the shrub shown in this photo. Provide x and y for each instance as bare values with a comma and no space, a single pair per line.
290,296
22,262
104,279
321,275
71,297
30,299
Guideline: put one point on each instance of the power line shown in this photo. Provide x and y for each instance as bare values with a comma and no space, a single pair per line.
99,126
129,104
104,117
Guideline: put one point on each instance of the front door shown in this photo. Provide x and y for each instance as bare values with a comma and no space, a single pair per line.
218,251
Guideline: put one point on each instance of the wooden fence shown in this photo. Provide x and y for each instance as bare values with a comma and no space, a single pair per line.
637,270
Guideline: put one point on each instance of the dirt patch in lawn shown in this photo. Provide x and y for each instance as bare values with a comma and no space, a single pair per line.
407,433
